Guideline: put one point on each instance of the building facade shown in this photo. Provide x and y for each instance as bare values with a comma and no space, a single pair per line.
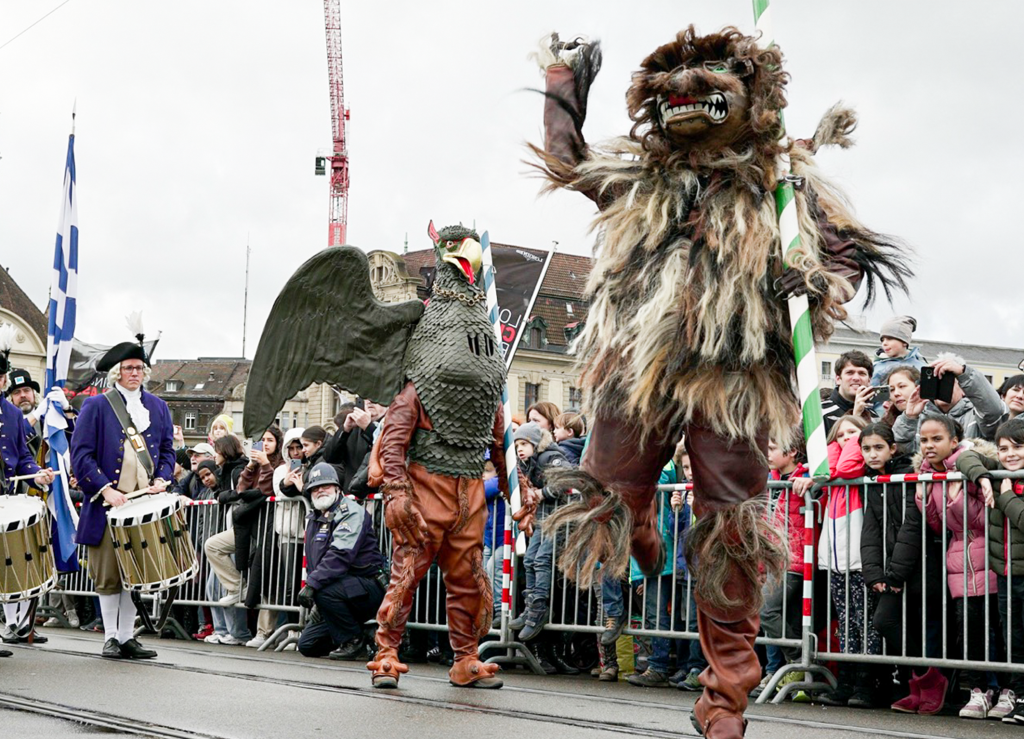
542,369
18,310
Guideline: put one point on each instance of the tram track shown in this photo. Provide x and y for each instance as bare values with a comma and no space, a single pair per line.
128,725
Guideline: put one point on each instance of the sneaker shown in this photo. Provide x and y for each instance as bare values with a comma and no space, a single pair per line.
535,621
677,677
609,674
52,622
648,679
692,681
1016,716
204,632
760,688
230,599
979,704
794,676
612,630
213,639
1004,706
801,696
257,641
231,641
73,620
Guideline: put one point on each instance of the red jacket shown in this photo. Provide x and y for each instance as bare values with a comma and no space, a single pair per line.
789,518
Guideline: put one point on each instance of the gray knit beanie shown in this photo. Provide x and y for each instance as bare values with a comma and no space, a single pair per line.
899,327
530,432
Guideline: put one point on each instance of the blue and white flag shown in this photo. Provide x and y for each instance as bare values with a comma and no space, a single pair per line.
60,334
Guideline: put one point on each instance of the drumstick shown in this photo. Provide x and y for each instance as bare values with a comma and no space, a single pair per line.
19,478
129,496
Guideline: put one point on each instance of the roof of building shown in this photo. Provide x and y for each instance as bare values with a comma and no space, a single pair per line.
867,341
14,299
206,378
561,299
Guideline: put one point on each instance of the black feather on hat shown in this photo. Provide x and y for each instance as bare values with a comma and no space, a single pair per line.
7,332
126,349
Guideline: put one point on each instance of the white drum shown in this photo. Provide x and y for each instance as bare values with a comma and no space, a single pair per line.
27,570
151,541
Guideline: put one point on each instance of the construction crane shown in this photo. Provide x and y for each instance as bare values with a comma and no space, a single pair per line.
338,212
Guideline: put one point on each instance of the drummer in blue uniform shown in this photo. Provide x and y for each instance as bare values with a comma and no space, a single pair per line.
123,443
16,460
346,575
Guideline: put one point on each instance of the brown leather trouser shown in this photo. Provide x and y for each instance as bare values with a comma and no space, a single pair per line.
725,473
455,512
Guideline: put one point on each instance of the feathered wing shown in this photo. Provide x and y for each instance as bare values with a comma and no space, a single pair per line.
327,326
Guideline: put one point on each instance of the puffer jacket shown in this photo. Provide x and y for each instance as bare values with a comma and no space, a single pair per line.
547,455
979,412
966,551
839,544
1006,520
884,364
789,517
890,542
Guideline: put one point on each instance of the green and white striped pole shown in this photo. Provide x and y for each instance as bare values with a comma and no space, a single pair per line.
799,308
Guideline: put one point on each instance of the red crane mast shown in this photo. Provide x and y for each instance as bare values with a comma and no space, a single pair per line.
338,213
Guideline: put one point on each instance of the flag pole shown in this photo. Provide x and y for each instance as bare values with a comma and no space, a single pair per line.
799,306
529,307
511,461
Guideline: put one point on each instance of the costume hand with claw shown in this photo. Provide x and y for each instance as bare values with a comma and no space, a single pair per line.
688,330
440,372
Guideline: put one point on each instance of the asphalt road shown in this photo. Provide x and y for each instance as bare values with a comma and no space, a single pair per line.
209,691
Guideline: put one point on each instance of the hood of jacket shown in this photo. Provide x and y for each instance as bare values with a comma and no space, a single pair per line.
981,446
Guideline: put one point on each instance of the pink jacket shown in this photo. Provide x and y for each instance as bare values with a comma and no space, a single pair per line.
843,517
974,563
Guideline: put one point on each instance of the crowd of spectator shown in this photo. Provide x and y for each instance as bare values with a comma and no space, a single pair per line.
894,564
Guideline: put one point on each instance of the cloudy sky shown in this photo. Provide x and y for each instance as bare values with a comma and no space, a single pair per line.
198,123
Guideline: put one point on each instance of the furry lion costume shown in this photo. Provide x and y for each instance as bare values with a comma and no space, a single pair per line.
688,331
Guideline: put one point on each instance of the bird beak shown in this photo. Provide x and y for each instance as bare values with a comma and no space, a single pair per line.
468,257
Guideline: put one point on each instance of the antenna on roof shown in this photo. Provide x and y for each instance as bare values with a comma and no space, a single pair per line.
245,301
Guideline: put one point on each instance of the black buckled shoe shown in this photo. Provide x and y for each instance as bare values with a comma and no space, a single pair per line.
34,638
131,649
112,650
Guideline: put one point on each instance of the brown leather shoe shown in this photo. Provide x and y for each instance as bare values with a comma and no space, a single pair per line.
723,726
469,672
386,668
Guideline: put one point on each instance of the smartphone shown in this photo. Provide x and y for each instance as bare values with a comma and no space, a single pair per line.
294,464
882,394
258,446
936,388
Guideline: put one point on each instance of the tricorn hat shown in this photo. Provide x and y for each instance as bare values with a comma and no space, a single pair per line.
20,378
126,349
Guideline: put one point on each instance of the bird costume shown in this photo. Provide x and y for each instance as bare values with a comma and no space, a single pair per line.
440,371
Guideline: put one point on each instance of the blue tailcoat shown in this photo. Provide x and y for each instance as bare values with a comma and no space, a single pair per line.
97,449
13,448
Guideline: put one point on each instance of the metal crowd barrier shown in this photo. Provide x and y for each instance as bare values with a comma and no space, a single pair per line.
577,611
275,558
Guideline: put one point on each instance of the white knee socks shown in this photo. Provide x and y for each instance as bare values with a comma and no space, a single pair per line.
126,618
109,606
118,616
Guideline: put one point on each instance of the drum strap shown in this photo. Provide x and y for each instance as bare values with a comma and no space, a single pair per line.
138,443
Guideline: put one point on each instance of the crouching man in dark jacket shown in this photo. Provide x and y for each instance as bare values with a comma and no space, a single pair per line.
345,571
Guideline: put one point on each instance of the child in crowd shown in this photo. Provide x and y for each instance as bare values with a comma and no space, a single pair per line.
537,454
494,536
782,612
569,435
659,597
891,555
689,655
895,350
1006,549
839,556
960,507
